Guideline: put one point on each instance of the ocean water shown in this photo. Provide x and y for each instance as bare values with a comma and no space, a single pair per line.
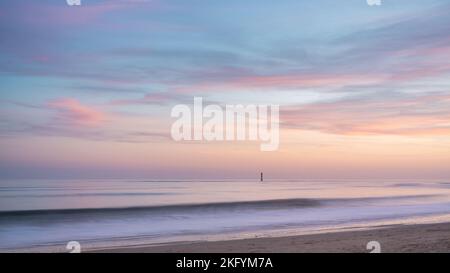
46,214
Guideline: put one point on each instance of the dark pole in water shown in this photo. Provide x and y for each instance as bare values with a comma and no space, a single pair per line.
262,178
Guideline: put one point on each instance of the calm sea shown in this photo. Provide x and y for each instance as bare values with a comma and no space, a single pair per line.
46,214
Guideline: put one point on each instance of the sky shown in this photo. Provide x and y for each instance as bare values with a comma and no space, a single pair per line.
86,91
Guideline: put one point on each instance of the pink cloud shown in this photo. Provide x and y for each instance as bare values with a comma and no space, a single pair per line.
426,115
403,73
307,80
72,111
41,58
287,81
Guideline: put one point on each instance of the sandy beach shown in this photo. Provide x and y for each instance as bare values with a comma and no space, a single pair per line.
399,238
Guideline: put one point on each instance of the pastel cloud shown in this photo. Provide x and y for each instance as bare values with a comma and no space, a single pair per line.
285,82
71,111
420,115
